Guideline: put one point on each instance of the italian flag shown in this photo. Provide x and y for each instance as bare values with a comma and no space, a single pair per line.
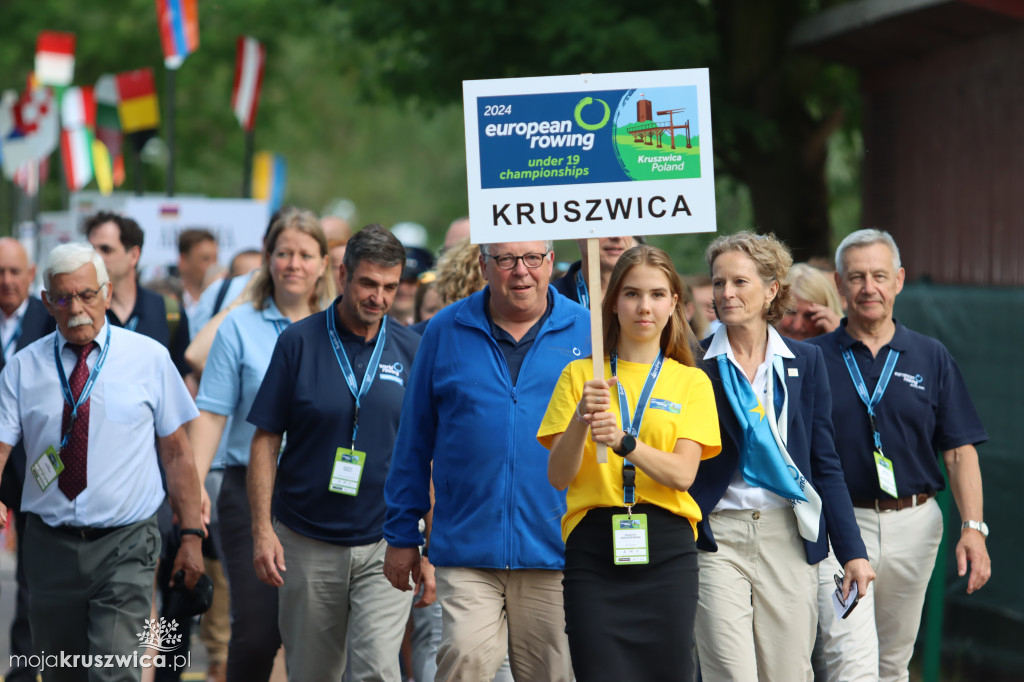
78,121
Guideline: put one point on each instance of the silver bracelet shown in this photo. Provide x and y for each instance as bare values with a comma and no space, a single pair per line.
578,416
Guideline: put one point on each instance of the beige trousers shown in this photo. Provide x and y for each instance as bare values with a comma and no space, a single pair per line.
876,641
757,613
486,612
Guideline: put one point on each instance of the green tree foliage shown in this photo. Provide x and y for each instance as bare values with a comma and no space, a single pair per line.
394,161
774,111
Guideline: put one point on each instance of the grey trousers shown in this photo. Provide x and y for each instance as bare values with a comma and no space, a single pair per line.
90,597
333,595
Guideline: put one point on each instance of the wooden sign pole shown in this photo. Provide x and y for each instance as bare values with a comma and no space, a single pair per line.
596,324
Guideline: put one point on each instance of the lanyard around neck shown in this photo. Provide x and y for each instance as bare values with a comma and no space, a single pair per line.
632,426
581,289
90,383
10,345
862,390
346,367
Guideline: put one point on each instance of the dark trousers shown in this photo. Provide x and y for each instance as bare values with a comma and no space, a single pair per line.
21,632
255,638
631,622
89,597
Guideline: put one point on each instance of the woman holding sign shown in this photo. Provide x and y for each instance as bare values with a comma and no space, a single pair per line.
776,496
630,560
293,283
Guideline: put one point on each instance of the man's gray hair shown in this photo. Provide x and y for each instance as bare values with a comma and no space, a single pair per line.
67,258
549,246
867,237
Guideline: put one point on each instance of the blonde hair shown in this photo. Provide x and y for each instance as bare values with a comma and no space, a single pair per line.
677,339
458,272
306,222
814,286
772,261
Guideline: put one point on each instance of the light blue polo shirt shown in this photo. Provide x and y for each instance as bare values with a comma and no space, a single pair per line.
234,371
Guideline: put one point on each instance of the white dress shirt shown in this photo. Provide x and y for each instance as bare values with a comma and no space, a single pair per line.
740,494
10,329
138,396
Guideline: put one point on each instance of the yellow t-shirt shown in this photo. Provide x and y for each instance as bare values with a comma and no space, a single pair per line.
682,405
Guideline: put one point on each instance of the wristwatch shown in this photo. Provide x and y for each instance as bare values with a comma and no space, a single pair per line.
198,532
626,446
979,526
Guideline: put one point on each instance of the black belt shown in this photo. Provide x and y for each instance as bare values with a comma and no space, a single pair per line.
86,533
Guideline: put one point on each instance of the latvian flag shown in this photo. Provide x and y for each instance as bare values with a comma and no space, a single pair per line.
55,58
137,105
78,118
179,29
245,95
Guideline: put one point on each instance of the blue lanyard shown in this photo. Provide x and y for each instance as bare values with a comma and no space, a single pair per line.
581,289
633,428
90,383
346,366
281,325
132,323
14,340
862,389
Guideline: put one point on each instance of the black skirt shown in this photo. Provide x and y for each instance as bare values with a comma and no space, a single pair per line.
631,622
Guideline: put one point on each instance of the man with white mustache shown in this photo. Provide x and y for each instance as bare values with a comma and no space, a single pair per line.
96,405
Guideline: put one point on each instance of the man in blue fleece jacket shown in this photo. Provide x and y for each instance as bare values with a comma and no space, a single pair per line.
483,376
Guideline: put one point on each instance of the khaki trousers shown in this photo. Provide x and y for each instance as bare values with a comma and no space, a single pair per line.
876,641
486,612
757,613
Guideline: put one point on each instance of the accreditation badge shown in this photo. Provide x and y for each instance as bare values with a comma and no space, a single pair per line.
47,468
347,471
629,539
886,476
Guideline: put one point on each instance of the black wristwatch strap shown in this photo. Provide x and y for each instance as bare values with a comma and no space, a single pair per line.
198,532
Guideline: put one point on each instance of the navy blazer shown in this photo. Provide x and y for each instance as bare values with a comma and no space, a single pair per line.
36,324
811,444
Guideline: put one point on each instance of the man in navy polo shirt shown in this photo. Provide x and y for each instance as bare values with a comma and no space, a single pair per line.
897,397
335,384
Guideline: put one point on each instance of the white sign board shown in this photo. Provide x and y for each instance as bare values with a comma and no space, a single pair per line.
569,157
238,224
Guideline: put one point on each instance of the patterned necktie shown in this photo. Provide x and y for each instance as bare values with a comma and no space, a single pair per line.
74,477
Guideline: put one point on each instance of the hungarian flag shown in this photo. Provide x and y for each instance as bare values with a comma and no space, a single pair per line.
78,117
137,104
55,58
179,29
108,126
269,177
245,95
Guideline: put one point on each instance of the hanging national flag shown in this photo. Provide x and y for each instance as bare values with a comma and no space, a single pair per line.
108,127
78,118
250,56
179,29
30,175
137,104
269,177
33,127
103,168
55,58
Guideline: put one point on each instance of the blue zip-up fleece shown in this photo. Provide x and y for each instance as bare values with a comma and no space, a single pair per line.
494,507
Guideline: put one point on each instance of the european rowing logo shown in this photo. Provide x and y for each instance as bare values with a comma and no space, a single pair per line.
915,381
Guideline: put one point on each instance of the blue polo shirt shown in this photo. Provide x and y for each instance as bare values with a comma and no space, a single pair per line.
304,393
515,351
926,409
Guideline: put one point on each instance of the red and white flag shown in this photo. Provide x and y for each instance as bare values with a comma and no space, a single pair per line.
245,95
34,128
55,58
